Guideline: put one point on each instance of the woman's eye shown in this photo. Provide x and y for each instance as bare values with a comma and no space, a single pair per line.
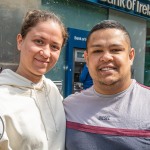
55,48
40,42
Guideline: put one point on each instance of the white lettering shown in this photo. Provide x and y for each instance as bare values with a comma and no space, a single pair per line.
148,13
83,39
133,5
117,3
77,38
137,6
129,4
144,9
122,3
110,1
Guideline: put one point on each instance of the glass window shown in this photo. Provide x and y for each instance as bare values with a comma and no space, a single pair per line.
147,57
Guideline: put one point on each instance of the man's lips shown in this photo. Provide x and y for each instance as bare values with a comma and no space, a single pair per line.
107,68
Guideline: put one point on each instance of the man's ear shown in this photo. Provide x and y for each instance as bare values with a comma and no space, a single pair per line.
132,55
86,57
19,41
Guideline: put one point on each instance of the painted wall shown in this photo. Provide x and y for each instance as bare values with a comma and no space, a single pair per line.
11,14
137,29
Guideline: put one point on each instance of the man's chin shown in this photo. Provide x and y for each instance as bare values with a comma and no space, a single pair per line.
109,82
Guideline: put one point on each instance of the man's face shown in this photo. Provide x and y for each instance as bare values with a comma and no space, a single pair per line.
40,49
109,58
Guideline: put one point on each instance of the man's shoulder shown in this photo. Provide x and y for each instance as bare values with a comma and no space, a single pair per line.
79,96
73,96
141,91
142,87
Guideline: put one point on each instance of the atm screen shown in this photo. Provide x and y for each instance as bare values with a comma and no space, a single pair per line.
79,55
78,65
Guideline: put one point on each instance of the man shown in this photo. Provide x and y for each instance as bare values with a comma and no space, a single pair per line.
85,77
114,113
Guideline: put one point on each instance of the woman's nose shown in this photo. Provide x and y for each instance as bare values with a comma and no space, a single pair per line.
46,52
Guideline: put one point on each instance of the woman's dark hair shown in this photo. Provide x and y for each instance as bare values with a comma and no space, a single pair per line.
32,18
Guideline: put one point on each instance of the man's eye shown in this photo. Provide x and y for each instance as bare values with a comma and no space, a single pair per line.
116,50
98,51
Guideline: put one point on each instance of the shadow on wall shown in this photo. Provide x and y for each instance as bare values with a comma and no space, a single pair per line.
11,66
11,14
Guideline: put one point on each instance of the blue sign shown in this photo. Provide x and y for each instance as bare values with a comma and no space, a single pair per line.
77,39
139,8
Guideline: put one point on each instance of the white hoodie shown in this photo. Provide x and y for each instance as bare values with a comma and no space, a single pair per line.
33,114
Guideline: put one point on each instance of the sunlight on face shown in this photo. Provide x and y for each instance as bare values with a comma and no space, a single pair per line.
109,58
40,49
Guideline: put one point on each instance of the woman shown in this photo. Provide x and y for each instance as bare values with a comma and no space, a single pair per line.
31,105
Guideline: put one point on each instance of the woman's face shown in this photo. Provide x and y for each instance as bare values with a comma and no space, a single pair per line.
39,50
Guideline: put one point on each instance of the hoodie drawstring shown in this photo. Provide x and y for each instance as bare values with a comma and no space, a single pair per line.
47,97
49,104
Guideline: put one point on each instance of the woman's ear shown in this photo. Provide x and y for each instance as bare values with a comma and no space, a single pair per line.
19,41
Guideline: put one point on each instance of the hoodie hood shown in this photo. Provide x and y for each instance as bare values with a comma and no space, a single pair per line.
11,78
33,111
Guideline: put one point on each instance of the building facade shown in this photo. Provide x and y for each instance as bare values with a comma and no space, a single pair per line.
79,16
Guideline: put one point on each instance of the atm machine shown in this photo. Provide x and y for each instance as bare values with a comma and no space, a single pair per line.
76,46
77,68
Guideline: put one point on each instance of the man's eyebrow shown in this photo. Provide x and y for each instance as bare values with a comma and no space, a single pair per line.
96,45
117,44
100,45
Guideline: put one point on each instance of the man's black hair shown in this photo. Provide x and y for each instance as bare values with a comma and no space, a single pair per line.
109,24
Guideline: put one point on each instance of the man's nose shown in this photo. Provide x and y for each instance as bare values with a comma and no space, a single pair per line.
106,56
